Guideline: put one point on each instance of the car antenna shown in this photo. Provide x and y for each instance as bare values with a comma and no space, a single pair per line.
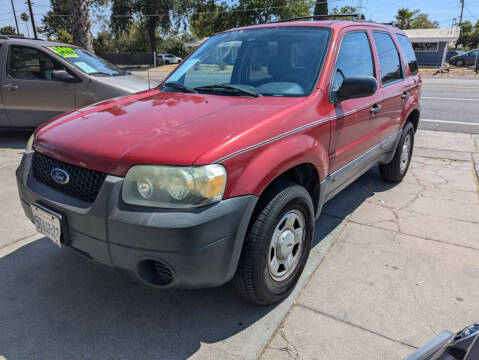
148,71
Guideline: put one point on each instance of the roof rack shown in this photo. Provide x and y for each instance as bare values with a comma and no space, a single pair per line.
357,17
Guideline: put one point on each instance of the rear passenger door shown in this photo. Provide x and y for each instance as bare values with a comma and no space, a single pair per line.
392,81
355,128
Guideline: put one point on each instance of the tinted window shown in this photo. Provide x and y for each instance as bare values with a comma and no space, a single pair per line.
282,61
354,59
409,54
388,56
31,64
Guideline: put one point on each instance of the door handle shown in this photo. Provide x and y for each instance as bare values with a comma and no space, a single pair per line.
405,95
375,109
10,87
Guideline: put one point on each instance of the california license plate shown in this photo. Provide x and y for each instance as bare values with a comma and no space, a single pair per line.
47,224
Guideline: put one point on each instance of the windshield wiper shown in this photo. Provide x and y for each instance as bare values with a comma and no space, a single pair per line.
178,86
99,73
228,89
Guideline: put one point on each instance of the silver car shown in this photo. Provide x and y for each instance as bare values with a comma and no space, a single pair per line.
41,79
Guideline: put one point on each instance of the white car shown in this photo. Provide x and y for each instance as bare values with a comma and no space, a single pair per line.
168,59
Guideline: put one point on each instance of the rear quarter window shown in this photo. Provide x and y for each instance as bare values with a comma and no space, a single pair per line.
408,52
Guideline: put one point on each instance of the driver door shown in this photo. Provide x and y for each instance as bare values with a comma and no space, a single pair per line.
30,95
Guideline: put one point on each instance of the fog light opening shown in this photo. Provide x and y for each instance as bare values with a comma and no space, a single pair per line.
155,272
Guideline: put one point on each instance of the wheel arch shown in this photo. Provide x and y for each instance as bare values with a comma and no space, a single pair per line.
306,164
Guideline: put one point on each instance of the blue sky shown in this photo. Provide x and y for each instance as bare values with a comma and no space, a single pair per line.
379,10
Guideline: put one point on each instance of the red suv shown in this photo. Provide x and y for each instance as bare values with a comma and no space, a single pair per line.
220,172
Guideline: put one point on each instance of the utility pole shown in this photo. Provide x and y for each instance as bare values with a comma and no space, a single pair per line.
462,12
15,15
33,20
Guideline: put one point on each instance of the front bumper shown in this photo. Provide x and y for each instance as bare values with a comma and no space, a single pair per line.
201,247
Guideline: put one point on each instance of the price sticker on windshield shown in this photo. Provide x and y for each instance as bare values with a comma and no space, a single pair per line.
64,51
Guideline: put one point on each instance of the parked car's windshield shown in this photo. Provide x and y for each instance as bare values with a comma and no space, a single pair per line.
281,61
86,61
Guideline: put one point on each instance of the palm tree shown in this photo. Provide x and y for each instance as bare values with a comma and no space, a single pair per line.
81,24
25,18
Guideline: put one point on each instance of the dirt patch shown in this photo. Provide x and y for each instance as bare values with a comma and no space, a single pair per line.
165,68
450,72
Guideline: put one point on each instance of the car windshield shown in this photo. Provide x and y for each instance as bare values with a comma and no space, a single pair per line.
86,61
279,61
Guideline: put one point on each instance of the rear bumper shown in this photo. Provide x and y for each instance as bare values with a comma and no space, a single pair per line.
200,247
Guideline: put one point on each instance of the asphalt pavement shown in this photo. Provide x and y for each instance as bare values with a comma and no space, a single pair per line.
447,104
450,105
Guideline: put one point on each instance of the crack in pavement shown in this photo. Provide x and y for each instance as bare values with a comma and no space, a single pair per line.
355,325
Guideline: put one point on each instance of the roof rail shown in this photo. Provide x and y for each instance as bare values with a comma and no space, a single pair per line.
357,17
6,37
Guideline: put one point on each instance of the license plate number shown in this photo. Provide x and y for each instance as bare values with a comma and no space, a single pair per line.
47,224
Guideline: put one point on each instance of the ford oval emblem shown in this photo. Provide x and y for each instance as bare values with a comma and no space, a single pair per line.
60,176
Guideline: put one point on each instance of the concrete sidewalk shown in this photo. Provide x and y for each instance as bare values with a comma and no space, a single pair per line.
404,267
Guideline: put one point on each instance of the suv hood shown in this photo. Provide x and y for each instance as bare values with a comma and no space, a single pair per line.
156,127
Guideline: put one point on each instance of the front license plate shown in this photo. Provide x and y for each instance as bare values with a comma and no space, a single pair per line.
47,224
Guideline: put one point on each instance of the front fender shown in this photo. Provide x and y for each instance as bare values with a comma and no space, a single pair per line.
253,171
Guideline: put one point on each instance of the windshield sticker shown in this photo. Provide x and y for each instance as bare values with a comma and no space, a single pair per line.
64,51
85,67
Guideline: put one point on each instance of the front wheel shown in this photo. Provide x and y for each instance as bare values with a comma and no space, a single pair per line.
460,63
397,168
277,245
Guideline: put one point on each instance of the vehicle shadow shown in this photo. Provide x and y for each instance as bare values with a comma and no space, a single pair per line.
14,139
57,305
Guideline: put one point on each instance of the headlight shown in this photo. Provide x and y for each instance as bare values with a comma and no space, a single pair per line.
28,147
174,187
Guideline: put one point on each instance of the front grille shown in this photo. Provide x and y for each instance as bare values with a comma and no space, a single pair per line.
84,184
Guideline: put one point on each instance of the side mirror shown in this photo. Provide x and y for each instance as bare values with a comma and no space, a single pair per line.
62,75
356,87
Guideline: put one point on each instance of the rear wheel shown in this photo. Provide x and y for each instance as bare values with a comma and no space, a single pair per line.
397,168
460,63
167,62
277,245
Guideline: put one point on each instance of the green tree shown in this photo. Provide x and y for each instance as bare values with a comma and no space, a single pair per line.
8,30
414,19
154,16
469,35
57,20
344,10
208,18
251,12
422,21
25,18
175,44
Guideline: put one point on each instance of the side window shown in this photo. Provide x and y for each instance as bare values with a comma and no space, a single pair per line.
31,64
409,53
354,58
388,56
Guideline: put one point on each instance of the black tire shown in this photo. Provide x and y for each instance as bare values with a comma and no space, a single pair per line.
393,171
253,277
460,63
167,62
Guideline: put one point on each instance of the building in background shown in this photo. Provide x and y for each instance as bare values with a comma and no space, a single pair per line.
430,45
